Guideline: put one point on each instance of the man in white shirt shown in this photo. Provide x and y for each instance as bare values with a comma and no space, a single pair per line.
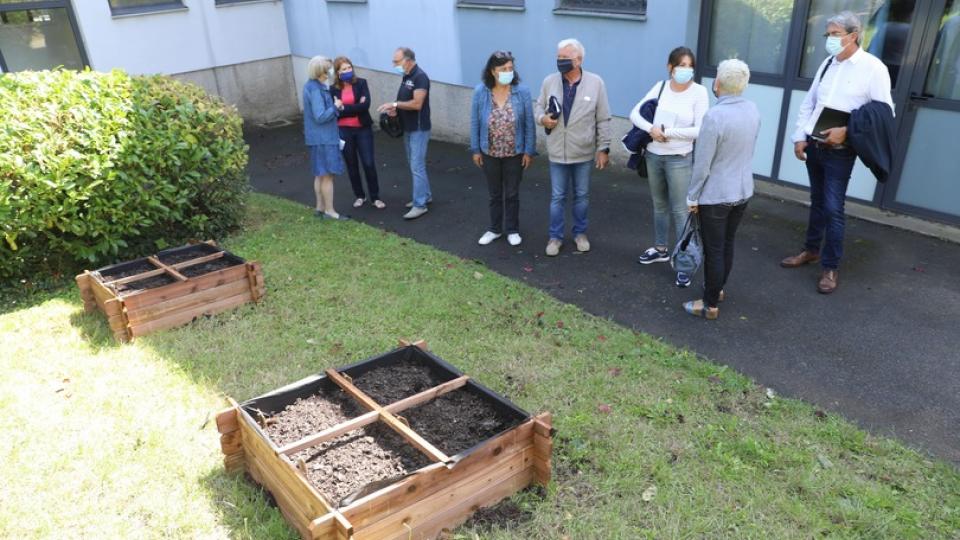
848,79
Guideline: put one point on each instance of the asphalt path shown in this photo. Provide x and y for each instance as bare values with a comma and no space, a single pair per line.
883,350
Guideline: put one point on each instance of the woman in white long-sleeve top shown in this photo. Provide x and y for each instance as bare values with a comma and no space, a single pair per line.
675,127
722,182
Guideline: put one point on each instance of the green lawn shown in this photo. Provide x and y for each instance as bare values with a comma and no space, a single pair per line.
107,441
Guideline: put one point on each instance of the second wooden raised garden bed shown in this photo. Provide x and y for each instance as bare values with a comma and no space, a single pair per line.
170,288
400,446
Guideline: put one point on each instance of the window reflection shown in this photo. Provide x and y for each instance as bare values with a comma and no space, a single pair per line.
886,29
754,31
943,79
38,39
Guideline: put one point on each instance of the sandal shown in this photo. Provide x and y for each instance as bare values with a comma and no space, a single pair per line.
358,203
698,309
380,205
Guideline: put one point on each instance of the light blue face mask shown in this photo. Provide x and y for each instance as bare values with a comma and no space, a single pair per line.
505,77
399,69
682,75
834,45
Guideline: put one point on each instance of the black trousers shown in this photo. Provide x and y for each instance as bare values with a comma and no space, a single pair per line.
503,182
718,227
359,142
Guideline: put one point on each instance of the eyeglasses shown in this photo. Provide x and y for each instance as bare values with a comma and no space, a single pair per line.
500,55
836,34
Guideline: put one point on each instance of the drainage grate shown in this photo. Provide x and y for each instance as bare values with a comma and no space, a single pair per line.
274,124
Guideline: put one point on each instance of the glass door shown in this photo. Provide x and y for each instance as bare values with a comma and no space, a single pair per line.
926,182
39,35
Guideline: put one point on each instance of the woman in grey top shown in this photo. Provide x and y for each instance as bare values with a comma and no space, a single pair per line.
722,181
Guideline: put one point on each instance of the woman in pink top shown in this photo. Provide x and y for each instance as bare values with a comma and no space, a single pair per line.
354,123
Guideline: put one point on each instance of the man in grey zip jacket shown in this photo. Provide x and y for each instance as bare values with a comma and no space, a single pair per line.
579,138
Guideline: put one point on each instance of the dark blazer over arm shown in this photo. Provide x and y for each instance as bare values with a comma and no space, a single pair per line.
360,110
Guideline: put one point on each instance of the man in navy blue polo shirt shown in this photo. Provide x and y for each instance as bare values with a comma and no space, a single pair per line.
413,106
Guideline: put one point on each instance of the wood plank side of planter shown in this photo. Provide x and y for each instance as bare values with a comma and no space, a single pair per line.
217,278
543,448
86,292
299,502
184,316
432,479
186,302
452,505
231,440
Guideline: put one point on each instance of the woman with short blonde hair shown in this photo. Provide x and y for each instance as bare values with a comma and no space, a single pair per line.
320,111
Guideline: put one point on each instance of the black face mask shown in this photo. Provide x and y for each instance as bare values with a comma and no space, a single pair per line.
564,65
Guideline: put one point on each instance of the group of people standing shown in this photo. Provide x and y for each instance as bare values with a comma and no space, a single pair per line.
698,160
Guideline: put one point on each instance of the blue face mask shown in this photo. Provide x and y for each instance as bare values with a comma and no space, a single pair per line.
346,76
682,75
399,70
834,45
505,77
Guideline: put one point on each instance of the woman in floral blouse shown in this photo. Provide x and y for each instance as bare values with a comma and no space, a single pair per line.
503,142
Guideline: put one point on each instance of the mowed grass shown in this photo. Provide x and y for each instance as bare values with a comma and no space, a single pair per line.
107,441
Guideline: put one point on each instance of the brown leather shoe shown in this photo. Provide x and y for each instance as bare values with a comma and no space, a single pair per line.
828,281
805,257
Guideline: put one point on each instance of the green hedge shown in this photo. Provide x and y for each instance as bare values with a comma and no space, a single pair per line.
100,166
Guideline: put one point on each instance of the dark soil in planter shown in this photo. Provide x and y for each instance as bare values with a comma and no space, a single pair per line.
193,252
392,383
128,270
207,267
149,283
311,415
372,458
457,421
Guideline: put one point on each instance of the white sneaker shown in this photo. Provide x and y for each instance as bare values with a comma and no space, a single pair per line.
488,237
514,239
415,212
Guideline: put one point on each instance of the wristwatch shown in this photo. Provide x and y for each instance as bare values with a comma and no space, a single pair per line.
394,104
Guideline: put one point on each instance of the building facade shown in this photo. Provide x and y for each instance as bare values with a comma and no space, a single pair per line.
236,49
627,43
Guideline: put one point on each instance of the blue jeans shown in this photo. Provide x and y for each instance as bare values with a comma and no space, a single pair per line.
829,172
564,178
415,143
359,142
669,179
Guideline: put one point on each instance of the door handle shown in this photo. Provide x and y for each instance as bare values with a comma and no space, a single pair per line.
919,97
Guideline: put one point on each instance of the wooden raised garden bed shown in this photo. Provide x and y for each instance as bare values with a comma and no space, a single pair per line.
400,446
170,288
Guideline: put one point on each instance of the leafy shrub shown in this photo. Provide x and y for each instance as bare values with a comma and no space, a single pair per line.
96,165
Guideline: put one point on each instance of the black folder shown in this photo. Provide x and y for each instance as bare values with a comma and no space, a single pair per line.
829,118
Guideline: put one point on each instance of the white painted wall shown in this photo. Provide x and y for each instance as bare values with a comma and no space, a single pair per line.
203,36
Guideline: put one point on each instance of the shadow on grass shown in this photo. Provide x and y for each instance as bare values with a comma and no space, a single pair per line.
94,329
15,295
244,508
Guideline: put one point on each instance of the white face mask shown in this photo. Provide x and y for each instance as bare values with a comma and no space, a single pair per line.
834,45
505,77
331,74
